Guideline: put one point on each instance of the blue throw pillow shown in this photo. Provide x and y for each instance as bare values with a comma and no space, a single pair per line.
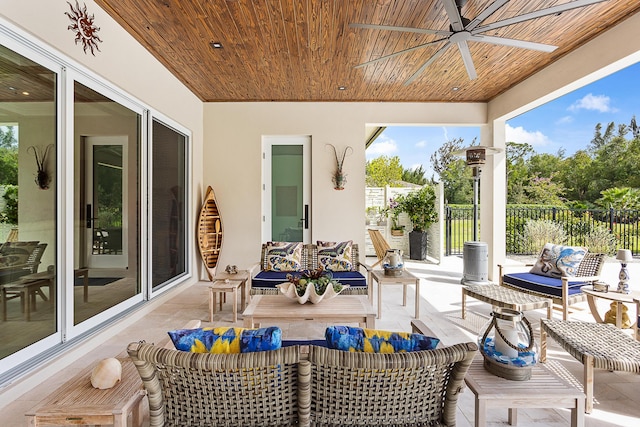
354,339
227,339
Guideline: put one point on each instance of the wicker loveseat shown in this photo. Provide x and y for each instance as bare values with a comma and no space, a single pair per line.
264,281
302,385
564,291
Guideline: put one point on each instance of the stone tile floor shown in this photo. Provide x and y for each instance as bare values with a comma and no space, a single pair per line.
617,397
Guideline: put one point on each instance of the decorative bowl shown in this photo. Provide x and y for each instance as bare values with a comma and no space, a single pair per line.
288,289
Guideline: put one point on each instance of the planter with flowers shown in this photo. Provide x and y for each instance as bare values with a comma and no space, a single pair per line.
393,210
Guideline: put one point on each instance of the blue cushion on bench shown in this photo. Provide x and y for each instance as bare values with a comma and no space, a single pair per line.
354,279
543,284
269,279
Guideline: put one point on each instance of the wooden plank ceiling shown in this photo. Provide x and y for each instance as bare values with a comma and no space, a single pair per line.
304,50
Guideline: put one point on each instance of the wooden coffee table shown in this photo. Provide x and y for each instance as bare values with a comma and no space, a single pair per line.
341,309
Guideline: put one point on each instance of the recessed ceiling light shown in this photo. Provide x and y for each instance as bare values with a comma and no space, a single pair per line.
342,88
216,45
455,88
25,93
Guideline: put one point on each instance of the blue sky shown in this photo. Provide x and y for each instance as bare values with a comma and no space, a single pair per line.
567,123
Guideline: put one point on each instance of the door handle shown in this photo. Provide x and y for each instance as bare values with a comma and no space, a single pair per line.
89,216
305,217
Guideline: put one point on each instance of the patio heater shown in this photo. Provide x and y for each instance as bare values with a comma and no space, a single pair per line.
475,253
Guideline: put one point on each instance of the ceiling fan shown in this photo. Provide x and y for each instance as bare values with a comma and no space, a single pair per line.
462,30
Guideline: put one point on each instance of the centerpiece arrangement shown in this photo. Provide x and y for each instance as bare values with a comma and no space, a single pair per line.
311,285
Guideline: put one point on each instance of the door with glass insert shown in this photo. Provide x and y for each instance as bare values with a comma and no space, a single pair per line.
106,201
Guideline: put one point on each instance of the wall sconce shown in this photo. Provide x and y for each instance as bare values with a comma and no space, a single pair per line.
43,179
339,178
624,256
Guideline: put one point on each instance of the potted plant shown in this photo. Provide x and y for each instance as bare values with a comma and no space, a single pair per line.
420,206
393,210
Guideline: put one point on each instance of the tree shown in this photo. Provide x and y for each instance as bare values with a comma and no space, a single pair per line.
383,171
518,177
620,198
456,177
8,137
414,176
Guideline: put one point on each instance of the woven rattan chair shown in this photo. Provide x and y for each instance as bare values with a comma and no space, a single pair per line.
565,295
402,389
201,389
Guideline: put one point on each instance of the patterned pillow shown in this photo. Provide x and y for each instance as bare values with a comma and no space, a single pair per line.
283,256
334,256
13,260
227,339
559,261
348,338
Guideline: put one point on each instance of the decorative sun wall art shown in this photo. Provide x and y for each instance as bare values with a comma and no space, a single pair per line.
83,26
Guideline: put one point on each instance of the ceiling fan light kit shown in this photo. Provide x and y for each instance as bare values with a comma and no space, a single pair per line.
463,30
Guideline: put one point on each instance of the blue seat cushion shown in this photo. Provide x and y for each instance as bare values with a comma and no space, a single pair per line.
354,279
542,284
269,279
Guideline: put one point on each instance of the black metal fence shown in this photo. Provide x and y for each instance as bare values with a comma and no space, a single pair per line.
577,223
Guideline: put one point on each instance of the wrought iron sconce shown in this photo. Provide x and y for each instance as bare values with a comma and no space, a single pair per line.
340,178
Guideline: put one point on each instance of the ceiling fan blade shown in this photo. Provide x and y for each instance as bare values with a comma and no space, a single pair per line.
512,42
485,14
537,14
467,59
400,52
429,62
402,29
453,14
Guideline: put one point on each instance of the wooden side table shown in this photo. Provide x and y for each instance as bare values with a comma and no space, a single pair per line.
544,390
405,279
223,286
242,275
77,402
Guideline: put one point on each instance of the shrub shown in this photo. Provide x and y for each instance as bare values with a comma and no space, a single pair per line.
539,232
600,240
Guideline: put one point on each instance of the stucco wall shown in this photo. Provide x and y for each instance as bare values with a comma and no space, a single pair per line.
232,153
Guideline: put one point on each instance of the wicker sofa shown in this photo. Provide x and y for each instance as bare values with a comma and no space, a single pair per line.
304,385
264,282
564,291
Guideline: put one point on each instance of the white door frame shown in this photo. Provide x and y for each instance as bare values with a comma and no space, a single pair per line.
267,143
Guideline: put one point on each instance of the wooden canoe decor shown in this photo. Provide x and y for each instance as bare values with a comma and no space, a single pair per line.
209,233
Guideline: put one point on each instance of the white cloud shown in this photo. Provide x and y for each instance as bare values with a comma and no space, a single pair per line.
521,135
383,146
564,120
421,144
415,166
593,102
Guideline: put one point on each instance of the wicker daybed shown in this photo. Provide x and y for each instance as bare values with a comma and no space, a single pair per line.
292,387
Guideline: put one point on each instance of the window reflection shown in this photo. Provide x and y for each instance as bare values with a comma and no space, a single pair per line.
27,202
106,174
